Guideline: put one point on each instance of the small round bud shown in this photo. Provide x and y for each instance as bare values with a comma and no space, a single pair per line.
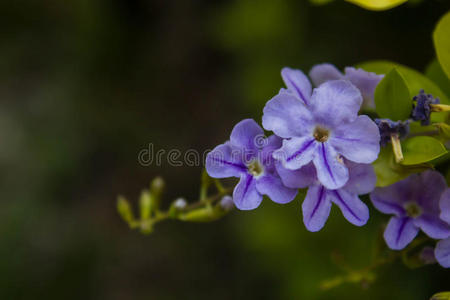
427,255
180,204
226,203
157,186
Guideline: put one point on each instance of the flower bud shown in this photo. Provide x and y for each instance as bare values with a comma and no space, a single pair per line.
177,207
180,204
226,203
146,205
124,210
157,187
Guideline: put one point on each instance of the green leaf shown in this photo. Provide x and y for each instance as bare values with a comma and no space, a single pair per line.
441,296
441,38
444,130
414,79
392,99
389,172
421,149
377,4
434,72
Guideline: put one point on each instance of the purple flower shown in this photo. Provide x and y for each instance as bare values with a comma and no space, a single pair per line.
414,202
365,81
248,155
442,253
321,128
317,204
444,205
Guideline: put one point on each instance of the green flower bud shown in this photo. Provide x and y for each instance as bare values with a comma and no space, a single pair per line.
146,205
124,210
157,186
177,207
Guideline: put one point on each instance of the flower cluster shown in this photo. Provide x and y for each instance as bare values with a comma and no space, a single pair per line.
419,202
319,142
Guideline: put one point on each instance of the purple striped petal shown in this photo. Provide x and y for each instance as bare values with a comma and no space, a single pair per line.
316,208
431,186
390,199
366,82
335,102
400,232
442,253
297,83
296,152
246,134
286,116
222,162
433,226
245,194
358,141
444,205
269,144
353,209
362,178
301,178
273,187
331,171
323,73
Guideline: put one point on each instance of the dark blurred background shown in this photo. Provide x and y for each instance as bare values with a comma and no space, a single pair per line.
86,84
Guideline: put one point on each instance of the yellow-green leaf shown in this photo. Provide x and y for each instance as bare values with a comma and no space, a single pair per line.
421,149
441,296
392,98
389,172
377,4
441,38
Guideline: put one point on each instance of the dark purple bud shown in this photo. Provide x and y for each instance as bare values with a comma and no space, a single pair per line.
422,109
427,255
388,128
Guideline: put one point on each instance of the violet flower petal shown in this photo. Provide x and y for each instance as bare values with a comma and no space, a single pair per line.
316,208
324,72
273,187
286,116
444,205
331,171
300,178
362,178
297,83
245,194
433,226
431,185
245,135
296,152
222,162
353,209
366,82
358,141
400,232
335,103
442,253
